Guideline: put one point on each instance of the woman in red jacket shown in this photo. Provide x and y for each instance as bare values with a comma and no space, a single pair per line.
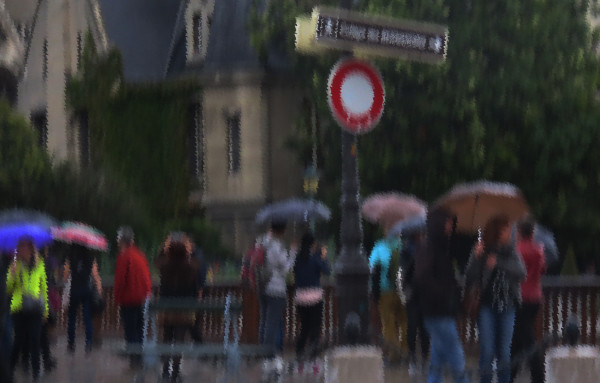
532,254
132,287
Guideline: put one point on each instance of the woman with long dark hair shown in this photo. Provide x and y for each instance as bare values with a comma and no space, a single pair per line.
82,269
496,266
310,265
178,279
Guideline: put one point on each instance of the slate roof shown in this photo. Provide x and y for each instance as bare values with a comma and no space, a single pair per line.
142,30
229,43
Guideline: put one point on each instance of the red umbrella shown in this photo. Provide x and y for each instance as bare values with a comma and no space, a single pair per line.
387,209
82,234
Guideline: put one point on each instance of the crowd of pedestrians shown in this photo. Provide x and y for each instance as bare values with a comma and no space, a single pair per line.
423,304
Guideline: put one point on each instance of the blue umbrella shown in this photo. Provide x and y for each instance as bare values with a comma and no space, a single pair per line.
17,223
295,210
544,236
408,226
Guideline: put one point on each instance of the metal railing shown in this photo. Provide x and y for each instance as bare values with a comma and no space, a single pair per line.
563,296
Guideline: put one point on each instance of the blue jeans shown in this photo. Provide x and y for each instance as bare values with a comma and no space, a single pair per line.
445,348
495,337
261,324
83,299
275,309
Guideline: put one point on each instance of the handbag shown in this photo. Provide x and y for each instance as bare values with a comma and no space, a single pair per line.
472,301
31,305
98,303
472,298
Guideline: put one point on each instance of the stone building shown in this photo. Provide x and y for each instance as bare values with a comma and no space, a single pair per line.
244,114
12,54
53,32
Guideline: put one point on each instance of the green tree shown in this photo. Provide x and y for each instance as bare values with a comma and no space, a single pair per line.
22,161
514,101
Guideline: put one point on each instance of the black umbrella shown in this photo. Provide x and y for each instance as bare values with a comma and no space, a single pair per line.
295,210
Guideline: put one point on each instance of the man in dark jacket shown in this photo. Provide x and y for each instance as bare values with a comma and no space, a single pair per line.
439,298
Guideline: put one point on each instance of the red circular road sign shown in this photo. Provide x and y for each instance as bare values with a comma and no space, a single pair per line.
356,95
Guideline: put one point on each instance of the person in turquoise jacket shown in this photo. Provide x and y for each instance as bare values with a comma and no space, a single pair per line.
26,283
391,311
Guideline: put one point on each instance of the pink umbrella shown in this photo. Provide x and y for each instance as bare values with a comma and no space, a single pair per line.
82,234
387,209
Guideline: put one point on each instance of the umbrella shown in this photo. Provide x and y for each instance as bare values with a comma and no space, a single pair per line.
475,203
82,234
389,208
544,236
294,209
408,226
18,223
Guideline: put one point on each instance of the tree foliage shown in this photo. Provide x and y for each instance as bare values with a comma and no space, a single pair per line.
515,101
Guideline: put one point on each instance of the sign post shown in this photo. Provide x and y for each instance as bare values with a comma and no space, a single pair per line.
356,98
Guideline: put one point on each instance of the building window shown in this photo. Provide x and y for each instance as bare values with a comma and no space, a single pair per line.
234,148
197,33
196,148
39,120
79,49
45,61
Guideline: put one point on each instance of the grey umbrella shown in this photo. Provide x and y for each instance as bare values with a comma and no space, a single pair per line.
293,210
409,226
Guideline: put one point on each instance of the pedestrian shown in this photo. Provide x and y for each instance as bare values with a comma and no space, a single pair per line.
523,341
498,269
391,311
178,279
82,269
5,321
52,267
310,265
27,286
278,263
131,289
416,324
439,298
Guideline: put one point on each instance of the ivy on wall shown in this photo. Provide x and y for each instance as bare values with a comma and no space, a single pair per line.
138,132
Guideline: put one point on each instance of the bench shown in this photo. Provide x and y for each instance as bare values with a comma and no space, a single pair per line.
231,352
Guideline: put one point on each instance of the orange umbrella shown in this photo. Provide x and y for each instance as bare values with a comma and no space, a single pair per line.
476,202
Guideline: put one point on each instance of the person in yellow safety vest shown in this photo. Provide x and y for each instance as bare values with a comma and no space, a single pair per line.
26,284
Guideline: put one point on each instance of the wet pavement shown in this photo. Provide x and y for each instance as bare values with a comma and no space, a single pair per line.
104,366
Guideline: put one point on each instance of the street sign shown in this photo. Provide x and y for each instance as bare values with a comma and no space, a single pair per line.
356,95
371,36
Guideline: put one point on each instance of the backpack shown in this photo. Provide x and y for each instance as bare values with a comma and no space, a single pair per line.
254,270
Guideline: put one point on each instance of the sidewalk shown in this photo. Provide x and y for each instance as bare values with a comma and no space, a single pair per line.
103,366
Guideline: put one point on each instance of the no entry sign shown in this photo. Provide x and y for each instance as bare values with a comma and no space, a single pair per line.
356,95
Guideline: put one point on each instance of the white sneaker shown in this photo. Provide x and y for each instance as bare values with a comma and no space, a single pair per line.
412,369
278,364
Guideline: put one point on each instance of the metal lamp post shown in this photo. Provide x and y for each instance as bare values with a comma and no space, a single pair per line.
351,268
311,186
